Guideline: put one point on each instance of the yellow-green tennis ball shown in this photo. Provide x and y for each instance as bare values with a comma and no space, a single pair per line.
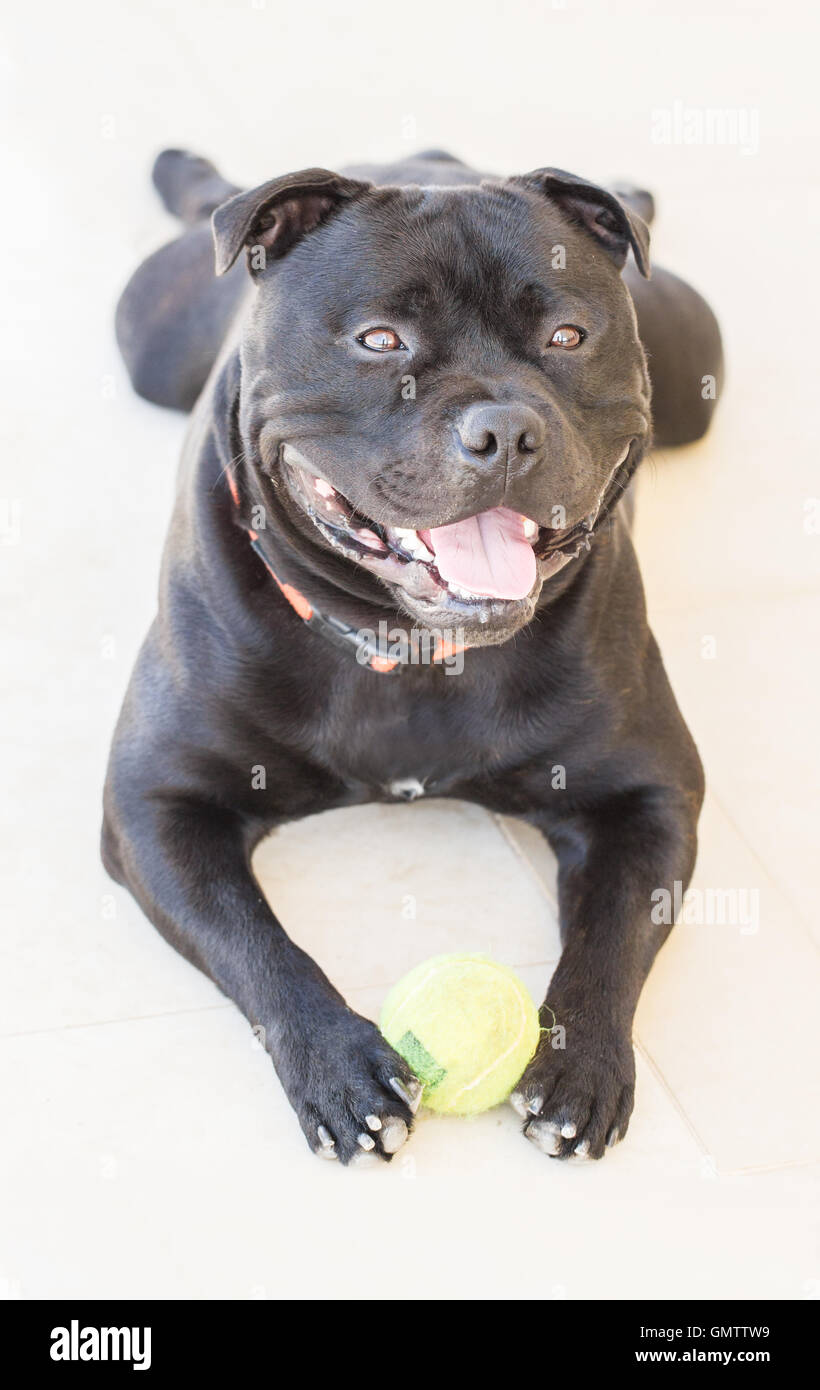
466,1026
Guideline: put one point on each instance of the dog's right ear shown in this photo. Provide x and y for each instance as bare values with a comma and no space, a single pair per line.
270,219
614,224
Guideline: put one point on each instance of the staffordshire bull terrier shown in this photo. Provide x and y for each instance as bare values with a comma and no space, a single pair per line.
399,564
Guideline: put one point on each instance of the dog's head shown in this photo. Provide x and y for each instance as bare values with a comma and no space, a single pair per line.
443,385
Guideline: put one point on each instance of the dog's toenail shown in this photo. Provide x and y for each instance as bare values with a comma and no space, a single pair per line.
394,1134
361,1159
365,1142
519,1104
536,1105
569,1131
545,1137
582,1149
327,1144
613,1137
373,1122
409,1091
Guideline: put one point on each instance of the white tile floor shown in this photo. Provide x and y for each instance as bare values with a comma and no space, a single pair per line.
148,1148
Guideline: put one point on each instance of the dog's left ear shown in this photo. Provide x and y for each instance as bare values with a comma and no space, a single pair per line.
277,214
614,225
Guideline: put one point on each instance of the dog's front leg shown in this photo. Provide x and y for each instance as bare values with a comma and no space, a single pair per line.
188,865
577,1094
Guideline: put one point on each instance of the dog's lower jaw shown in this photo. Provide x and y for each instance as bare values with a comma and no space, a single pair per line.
491,622
487,624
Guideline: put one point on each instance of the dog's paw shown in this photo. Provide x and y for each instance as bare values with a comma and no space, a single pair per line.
576,1101
355,1098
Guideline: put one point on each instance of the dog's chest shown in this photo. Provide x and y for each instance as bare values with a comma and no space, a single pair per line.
407,737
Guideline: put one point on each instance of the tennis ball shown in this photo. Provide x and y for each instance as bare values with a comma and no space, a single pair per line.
466,1026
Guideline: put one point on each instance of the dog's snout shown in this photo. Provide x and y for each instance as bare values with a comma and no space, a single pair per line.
500,432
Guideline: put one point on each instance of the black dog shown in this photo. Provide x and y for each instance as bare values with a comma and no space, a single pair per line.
415,422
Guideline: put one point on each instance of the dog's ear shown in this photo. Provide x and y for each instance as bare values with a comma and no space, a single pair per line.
276,215
614,225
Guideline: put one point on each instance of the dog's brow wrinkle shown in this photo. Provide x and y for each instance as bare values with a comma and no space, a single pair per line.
412,299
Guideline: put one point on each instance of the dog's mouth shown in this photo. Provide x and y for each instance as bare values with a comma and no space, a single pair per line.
483,566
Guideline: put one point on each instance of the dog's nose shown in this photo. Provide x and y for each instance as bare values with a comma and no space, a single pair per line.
500,432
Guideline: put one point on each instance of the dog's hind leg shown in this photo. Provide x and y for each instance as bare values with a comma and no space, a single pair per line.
174,313
682,341
640,200
681,338
190,187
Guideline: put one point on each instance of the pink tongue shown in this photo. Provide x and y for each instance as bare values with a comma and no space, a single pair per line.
487,554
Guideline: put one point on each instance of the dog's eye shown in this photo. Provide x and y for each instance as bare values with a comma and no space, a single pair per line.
567,336
381,340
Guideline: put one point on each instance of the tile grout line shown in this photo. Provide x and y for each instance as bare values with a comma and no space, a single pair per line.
664,1084
774,878
679,1107
108,1022
228,1004
763,1168
522,855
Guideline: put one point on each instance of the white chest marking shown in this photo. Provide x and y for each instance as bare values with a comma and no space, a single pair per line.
406,788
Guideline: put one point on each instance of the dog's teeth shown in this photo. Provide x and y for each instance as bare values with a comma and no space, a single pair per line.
370,538
411,542
460,592
324,489
530,529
